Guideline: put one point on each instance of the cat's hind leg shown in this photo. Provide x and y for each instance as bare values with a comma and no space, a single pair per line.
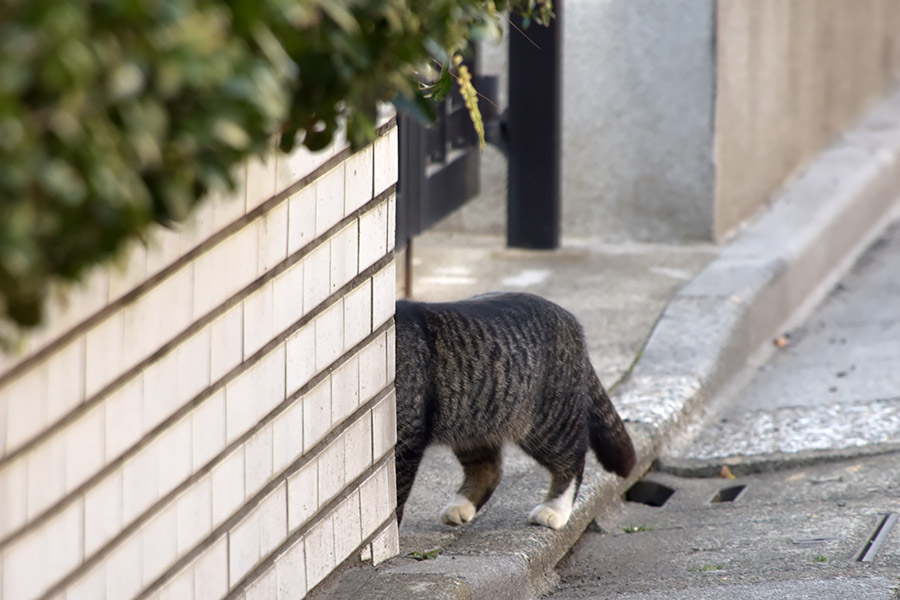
566,466
482,468
555,510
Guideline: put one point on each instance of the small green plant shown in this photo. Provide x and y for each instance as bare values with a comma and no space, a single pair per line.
818,558
636,528
425,554
707,567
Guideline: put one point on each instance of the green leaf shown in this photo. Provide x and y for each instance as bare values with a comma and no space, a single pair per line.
442,86
118,115
318,140
230,133
339,14
425,554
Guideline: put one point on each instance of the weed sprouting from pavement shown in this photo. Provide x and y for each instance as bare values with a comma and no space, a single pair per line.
425,555
636,528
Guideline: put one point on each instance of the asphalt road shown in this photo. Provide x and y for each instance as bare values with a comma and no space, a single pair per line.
833,387
797,533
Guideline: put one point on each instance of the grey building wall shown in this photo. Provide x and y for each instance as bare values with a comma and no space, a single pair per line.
638,126
637,123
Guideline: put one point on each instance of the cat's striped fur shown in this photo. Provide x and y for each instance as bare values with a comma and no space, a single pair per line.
501,368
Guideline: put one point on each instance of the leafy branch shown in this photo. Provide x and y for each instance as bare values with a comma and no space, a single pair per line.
116,115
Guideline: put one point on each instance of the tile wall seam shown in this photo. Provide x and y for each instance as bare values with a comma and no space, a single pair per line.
265,563
291,537
245,508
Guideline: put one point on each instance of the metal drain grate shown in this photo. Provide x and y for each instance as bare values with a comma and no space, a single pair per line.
877,537
649,493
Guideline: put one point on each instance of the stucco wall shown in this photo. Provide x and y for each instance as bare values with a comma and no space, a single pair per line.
215,418
637,120
791,75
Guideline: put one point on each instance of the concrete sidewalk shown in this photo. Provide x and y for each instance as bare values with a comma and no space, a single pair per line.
667,328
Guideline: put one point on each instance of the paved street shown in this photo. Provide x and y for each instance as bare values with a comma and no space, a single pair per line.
833,388
812,435
792,534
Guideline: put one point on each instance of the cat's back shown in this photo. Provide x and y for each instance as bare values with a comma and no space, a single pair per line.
492,306
481,331
497,314
487,364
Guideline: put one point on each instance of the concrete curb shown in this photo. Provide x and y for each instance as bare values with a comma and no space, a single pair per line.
765,463
517,564
772,272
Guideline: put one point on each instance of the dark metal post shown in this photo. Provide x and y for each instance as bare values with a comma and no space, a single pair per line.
410,187
411,181
534,126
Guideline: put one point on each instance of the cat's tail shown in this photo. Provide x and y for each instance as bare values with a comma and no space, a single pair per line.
607,434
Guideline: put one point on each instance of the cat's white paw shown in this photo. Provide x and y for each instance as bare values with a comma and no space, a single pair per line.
548,517
555,513
460,510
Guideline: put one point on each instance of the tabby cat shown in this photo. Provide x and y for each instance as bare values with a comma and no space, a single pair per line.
498,368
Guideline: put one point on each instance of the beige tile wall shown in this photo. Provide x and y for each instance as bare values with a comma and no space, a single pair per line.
214,417
791,76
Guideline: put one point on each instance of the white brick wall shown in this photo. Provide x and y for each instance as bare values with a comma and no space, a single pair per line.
211,572
300,355
303,495
329,199
193,512
227,486
13,496
385,163
358,182
344,390
214,416
301,218
320,558
103,513
290,572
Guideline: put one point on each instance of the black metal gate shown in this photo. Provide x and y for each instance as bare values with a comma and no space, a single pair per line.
439,167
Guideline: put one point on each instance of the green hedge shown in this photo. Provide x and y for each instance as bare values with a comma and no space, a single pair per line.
117,114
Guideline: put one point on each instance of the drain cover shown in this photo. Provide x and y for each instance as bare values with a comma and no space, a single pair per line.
729,494
877,537
649,493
